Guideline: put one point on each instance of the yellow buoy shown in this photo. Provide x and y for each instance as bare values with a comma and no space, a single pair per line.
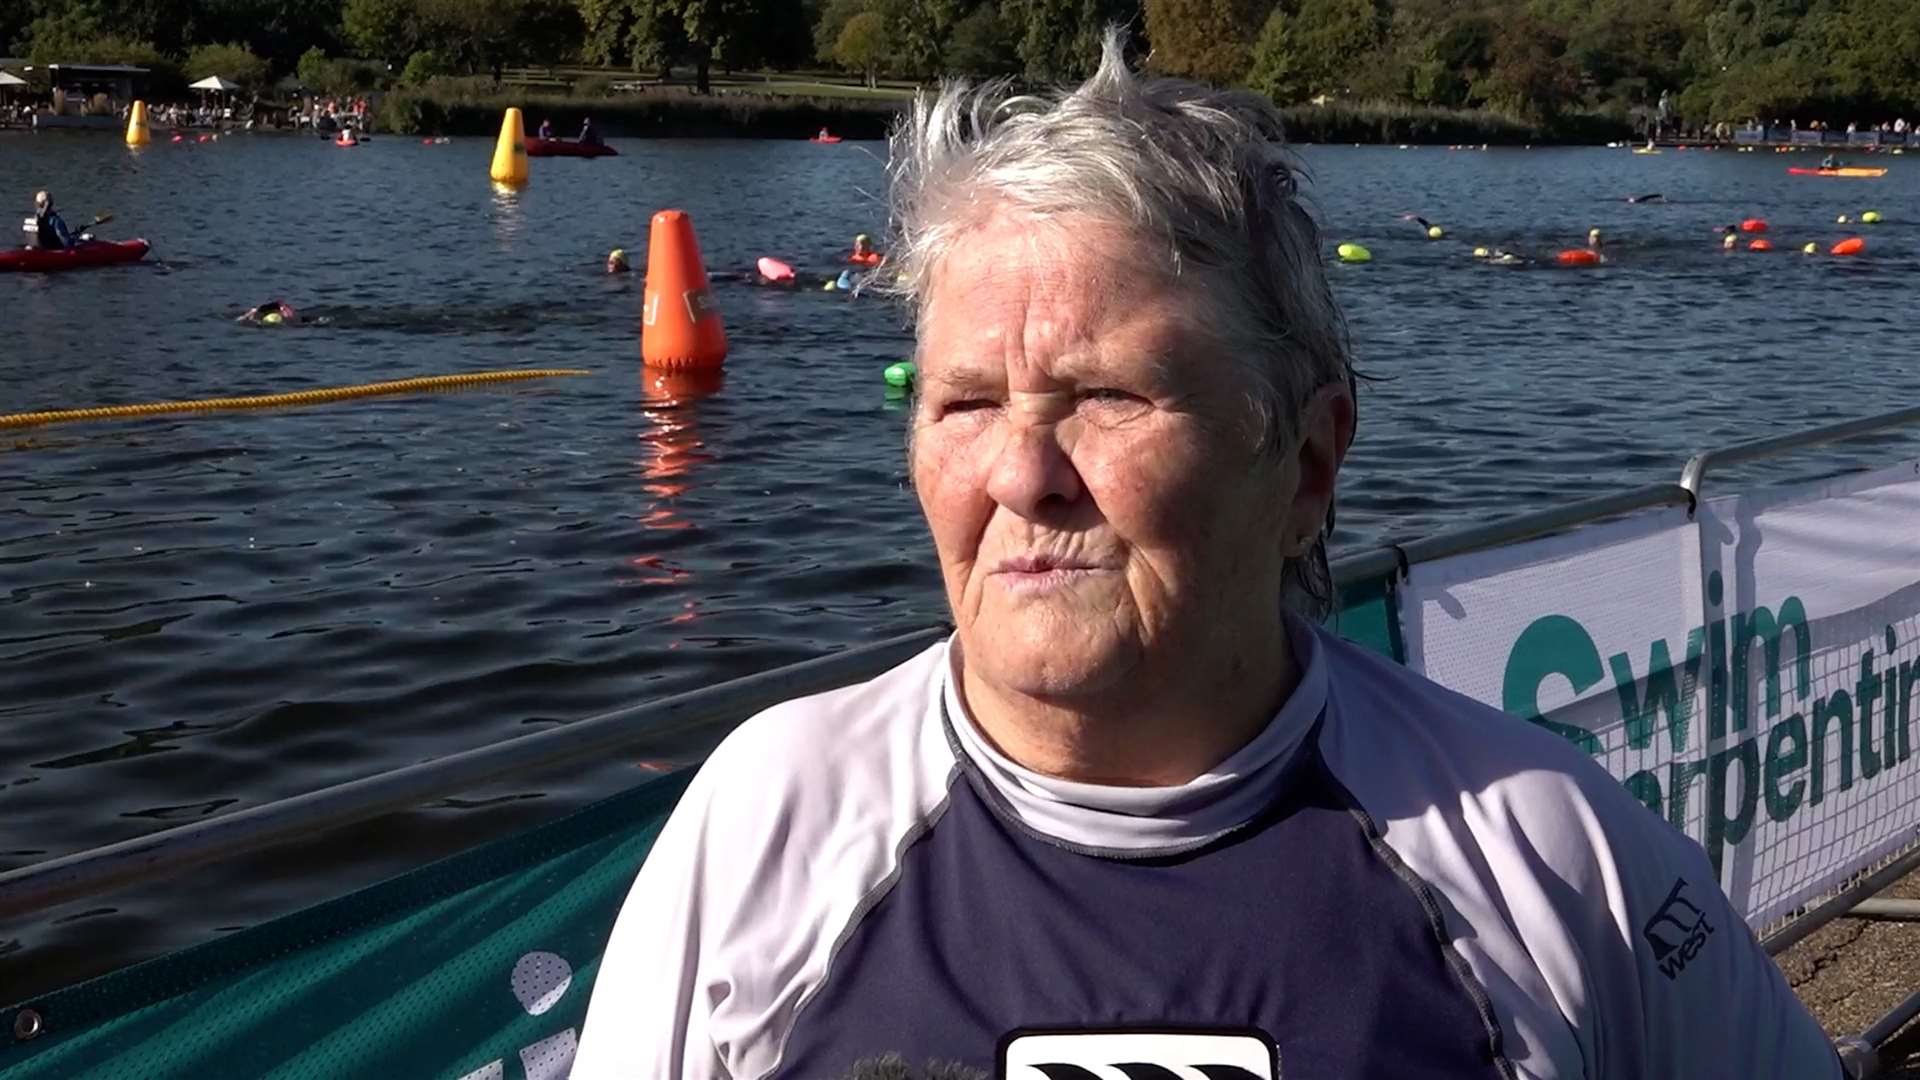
1435,232
1353,253
1871,217
510,152
137,134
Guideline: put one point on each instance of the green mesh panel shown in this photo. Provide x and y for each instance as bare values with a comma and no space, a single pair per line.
477,967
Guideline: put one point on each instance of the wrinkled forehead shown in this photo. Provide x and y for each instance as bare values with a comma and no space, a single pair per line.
1013,286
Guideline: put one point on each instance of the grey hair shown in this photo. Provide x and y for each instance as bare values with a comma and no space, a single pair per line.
1203,174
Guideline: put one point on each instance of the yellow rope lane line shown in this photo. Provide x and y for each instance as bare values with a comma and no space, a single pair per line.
299,397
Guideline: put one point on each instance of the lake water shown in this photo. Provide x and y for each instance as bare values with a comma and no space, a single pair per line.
208,612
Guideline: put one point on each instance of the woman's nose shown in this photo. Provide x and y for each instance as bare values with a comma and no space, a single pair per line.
1032,474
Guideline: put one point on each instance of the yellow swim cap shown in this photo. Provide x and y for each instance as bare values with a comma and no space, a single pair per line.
271,318
863,238
1481,253
1435,232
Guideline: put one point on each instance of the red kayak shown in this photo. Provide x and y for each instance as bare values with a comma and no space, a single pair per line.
564,148
89,253
825,139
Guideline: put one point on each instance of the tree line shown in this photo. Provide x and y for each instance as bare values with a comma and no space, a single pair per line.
1535,60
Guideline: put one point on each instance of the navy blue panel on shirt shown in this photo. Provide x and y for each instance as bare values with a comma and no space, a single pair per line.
1294,925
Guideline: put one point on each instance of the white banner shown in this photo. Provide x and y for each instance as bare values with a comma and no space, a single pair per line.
1716,667
1817,591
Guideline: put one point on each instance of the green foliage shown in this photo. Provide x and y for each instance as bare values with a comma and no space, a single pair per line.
1060,39
231,61
981,43
1274,71
1556,66
383,28
864,45
313,67
423,65
1209,40
333,78
1328,39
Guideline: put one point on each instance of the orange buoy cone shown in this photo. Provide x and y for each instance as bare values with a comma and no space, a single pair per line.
679,326
137,134
1852,245
510,150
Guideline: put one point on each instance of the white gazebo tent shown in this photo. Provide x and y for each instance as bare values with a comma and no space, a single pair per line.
214,84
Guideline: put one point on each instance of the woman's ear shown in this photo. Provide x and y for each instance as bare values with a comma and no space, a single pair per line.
1326,431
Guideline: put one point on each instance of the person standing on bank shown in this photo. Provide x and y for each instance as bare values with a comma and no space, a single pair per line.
1140,790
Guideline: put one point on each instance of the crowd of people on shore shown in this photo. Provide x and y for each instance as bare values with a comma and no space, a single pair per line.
327,114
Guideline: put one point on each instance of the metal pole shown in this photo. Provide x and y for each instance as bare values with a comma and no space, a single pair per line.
1886,910
1695,474
1885,1028
35,888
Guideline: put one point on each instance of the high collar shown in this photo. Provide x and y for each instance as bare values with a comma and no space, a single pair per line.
1144,821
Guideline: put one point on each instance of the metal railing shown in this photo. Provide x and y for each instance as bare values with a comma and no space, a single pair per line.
711,711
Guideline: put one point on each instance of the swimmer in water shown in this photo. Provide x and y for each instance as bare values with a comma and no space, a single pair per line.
1653,197
617,261
1593,239
863,253
271,313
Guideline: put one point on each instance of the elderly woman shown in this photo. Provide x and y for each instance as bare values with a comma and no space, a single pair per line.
1140,810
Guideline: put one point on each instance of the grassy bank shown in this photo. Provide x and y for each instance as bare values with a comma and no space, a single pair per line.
473,107
1391,122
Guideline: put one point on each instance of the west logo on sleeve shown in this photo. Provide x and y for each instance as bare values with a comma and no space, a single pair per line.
1677,931
1139,1055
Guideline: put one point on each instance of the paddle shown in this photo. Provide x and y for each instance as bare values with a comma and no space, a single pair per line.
84,229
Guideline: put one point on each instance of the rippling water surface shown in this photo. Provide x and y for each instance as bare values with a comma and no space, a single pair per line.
207,612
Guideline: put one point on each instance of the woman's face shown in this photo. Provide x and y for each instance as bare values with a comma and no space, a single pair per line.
1087,462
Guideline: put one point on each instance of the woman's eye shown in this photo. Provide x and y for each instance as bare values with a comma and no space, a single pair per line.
1108,393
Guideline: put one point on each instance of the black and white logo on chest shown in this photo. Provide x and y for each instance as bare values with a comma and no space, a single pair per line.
1138,1055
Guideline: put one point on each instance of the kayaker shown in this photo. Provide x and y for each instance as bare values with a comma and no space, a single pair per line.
1141,796
1831,162
546,130
271,313
51,228
589,135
